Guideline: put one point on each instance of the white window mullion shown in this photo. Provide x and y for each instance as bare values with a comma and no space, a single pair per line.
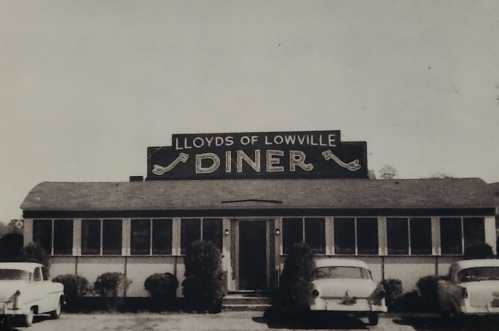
201,221
303,230
462,234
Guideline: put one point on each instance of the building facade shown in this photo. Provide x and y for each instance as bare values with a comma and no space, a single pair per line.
254,195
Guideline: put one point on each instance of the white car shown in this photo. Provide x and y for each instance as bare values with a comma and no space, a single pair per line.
25,292
347,286
472,288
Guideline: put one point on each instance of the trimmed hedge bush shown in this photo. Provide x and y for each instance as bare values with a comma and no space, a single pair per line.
203,286
34,252
111,284
74,288
428,289
294,295
162,289
393,289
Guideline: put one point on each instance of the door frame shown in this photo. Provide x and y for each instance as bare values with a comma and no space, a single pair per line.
269,230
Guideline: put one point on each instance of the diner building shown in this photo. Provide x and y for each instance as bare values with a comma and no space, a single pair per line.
254,195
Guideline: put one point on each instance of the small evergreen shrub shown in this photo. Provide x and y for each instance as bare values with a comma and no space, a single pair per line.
428,290
74,288
393,289
162,289
34,252
111,284
294,295
479,251
203,286
11,247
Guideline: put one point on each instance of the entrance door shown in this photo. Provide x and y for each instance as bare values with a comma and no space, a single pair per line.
252,255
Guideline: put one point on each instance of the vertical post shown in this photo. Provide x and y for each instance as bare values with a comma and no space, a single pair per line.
28,231
278,232
176,240
435,236
125,237
491,232
382,236
329,229
226,250
77,237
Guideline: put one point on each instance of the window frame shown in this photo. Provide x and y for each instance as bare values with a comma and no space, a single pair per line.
101,235
151,221
201,231
304,233
462,240
408,219
51,251
355,230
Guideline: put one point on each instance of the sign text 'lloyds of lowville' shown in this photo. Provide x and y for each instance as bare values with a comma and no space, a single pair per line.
310,154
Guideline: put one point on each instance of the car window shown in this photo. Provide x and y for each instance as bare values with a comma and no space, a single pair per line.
478,274
37,275
13,274
341,272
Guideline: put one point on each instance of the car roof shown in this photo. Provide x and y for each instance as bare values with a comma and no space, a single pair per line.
464,264
339,262
26,266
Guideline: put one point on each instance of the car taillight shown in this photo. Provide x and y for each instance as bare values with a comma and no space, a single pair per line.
15,300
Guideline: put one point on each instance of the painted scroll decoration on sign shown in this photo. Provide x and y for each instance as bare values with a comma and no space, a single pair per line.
161,170
350,166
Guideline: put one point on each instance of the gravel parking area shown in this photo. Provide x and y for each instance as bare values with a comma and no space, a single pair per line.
235,321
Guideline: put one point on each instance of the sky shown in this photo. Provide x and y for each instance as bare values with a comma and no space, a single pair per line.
86,86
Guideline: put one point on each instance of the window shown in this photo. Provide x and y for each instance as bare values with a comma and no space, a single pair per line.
315,234
344,235
421,243
457,233
55,236
474,231
292,233
162,236
308,230
111,237
409,236
397,236
367,236
90,237
42,234
63,237
141,237
193,229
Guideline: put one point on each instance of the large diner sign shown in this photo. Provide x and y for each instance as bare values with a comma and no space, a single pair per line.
307,154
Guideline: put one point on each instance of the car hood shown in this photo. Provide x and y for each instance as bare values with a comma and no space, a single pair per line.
339,287
7,288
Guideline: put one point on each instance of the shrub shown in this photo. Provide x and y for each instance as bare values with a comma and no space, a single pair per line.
162,288
203,286
479,251
111,284
34,252
11,247
74,288
393,289
428,289
294,294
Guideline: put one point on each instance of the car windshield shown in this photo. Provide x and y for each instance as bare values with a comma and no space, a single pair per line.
341,272
13,274
478,274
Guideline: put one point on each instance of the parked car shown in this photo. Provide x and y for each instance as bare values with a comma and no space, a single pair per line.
472,288
347,286
25,292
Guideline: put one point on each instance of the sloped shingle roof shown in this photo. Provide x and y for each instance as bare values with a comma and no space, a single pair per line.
259,193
